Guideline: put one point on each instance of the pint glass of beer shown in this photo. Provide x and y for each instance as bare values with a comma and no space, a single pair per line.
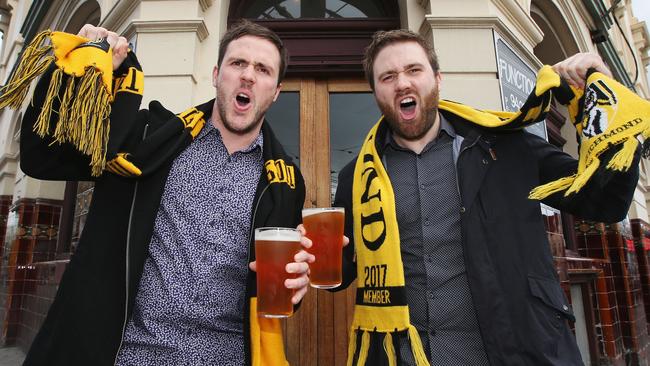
325,229
275,247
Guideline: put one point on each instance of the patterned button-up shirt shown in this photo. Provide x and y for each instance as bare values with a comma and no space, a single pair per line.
428,213
189,306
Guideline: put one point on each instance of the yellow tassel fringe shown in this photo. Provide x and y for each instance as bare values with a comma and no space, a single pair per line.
548,189
42,126
583,177
622,160
390,350
83,116
363,351
85,104
33,62
416,346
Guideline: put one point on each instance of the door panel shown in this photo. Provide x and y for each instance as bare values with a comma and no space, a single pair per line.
334,117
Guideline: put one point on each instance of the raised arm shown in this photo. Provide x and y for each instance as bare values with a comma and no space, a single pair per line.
44,157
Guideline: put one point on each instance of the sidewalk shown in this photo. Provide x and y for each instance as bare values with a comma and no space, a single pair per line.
11,356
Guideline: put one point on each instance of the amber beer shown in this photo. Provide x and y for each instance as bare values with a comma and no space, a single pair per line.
325,229
275,247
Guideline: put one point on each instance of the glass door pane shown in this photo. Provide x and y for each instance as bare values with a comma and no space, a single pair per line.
351,117
284,118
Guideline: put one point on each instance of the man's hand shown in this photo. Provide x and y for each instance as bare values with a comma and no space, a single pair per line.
119,44
574,69
300,268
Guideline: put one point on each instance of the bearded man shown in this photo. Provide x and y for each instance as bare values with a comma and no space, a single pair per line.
451,257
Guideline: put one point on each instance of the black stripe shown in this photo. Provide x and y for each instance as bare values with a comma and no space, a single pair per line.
120,170
381,296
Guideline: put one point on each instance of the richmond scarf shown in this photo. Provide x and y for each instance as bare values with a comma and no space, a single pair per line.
607,116
81,90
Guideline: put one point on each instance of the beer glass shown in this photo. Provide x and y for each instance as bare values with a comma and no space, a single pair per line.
325,229
275,247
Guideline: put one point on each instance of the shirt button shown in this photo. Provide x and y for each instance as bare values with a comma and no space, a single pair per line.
422,185
431,294
426,222
462,209
429,258
485,161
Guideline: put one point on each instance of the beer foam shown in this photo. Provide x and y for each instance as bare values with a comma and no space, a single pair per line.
277,235
316,210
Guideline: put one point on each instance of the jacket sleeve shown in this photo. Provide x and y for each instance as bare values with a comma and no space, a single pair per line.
606,197
42,158
343,198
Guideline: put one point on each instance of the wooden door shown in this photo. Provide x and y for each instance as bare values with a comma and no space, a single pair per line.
322,122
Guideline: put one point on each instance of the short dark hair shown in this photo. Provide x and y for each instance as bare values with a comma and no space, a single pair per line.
247,28
382,39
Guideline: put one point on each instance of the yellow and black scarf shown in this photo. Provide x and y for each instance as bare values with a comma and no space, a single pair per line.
607,116
82,88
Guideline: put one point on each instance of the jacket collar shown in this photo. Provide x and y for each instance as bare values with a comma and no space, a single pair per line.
472,134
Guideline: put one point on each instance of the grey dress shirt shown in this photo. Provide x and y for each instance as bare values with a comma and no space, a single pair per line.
428,214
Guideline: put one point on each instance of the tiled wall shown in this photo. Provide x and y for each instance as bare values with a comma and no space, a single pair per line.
41,284
641,235
629,294
32,228
592,245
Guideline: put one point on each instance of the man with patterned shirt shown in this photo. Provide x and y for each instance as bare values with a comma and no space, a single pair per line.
164,271
471,263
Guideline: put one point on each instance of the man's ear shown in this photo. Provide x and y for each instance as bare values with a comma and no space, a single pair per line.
215,74
277,92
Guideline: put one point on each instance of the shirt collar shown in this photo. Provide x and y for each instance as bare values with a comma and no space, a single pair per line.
210,129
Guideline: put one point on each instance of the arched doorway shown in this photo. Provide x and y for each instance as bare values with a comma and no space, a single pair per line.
323,113
558,44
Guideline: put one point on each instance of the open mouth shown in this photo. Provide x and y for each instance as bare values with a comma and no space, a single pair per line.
242,100
407,107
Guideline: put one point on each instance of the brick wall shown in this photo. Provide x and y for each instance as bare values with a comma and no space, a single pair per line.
32,228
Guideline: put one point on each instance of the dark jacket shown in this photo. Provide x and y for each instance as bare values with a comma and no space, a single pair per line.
85,322
521,309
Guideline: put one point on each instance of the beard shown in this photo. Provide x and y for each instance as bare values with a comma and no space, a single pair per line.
416,129
258,114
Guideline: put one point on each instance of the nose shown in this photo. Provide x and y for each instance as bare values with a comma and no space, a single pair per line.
402,83
248,74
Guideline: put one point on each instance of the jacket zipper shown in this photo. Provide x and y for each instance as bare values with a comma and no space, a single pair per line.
252,227
127,269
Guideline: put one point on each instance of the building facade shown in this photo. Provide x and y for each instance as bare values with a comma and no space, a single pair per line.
489,52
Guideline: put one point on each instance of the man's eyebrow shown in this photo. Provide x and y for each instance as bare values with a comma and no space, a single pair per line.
231,59
410,66
407,67
262,64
